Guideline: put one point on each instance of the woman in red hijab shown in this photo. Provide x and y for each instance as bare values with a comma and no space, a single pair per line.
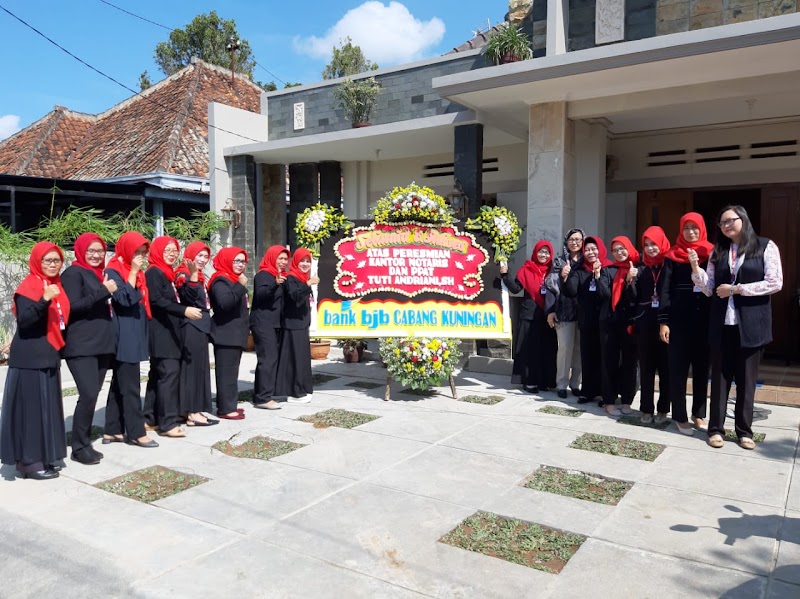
294,364
648,288
131,306
32,421
89,338
683,314
535,341
227,290
266,323
617,343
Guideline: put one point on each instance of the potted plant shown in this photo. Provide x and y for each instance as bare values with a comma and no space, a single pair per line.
357,97
352,349
320,348
508,44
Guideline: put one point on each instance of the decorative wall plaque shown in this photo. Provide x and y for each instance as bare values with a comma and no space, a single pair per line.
609,21
299,116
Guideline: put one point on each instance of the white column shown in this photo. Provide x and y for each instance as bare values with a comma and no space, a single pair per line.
355,194
551,173
591,142
557,26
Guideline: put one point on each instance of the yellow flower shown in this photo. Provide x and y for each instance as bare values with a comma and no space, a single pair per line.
437,365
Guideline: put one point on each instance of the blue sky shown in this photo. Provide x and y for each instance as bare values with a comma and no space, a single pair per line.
292,39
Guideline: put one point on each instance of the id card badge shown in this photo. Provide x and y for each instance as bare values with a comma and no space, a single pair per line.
593,285
696,289
654,301
543,290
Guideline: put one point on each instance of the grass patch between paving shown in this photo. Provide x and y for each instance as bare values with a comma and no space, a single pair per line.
339,418
731,436
94,434
486,400
577,484
626,448
365,384
321,379
69,392
259,448
635,420
557,411
515,541
151,484
246,396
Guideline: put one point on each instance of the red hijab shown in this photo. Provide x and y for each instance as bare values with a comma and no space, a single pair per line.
269,262
33,286
223,263
82,244
533,272
120,262
294,267
602,253
190,253
156,257
680,251
657,236
618,284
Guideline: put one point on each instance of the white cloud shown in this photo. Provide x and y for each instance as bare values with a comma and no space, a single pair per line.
388,34
9,125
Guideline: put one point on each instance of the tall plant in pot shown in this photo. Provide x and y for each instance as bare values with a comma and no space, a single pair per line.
508,44
357,97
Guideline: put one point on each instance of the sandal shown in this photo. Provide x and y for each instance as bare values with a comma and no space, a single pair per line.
175,433
208,422
113,439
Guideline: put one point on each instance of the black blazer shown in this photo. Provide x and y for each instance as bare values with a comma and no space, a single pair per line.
29,347
641,294
624,312
230,316
267,310
194,294
296,304
165,338
578,285
130,321
680,304
90,331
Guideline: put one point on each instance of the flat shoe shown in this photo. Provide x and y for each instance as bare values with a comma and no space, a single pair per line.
84,457
612,410
110,440
208,422
685,428
267,405
583,399
562,393
239,416
174,433
746,443
40,474
148,444
150,427
626,409
716,441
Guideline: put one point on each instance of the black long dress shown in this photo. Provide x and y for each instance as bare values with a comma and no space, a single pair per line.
266,318
32,432
294,364
579,284
195,380
536,343
229,331
617,344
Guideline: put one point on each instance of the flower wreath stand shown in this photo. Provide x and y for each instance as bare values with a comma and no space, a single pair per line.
419,362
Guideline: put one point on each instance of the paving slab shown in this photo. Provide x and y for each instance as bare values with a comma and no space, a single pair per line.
429,427
788,565
782,590
712,530
793,501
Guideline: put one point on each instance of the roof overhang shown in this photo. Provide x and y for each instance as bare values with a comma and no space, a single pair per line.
165,181
619,78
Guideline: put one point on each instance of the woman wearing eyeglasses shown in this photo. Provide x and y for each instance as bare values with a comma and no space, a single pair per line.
162,400
89,338
742,274
683,323
32,421
231,310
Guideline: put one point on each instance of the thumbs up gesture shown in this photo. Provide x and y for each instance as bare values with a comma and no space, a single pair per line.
565,271
693,259
109,284
632,273
596,266
51,291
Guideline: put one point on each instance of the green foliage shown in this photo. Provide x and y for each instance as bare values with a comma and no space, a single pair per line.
202,226
144,81
207,38
338,418
135,220
64,228
508,43
14,247
318,222
357,97
347,60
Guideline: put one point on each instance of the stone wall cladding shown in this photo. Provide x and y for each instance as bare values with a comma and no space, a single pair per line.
404,95
674,16
244,196
640,21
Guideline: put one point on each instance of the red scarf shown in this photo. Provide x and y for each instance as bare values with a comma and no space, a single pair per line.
190,253
270,260
623,267
657,236
156,257
223,263
120,262
82,244
533,272
294,267
33,286
680,251
602,253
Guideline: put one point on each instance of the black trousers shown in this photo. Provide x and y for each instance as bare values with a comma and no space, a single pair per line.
124,405
226,373
618,357
162,397
267,353
688,347
653,357
592,385
89,373
731,362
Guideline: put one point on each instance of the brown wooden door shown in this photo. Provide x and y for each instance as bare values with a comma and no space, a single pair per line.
780,221
663,208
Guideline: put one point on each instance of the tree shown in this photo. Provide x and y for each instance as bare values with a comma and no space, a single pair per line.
347,60
207,38
144,81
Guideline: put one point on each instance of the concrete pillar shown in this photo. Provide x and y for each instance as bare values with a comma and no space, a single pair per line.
273,221
355,179
468,163
557,26
244,196
551,173
591,142
330,183
303,192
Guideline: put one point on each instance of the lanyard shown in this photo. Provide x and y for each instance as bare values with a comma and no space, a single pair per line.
732,256
656,275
